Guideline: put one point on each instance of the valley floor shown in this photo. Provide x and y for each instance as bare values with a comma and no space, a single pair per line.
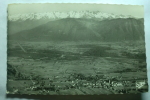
76,68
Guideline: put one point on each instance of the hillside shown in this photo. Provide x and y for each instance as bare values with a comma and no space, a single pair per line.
84,29
121,29
26,21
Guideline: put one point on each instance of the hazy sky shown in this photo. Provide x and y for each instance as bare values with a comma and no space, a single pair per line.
134,10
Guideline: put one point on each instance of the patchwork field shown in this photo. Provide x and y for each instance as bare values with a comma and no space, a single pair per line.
76,68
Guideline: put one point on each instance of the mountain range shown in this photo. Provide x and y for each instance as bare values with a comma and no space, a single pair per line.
69,14
20,22
77,29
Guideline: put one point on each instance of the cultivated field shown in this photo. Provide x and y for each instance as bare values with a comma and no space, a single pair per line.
76,68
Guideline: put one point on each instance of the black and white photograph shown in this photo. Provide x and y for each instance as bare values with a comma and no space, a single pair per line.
76,49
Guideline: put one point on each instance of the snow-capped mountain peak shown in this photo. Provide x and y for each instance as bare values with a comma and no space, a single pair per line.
59,15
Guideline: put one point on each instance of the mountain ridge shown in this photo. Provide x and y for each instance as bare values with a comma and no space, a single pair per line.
70,14
20,22
74,29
